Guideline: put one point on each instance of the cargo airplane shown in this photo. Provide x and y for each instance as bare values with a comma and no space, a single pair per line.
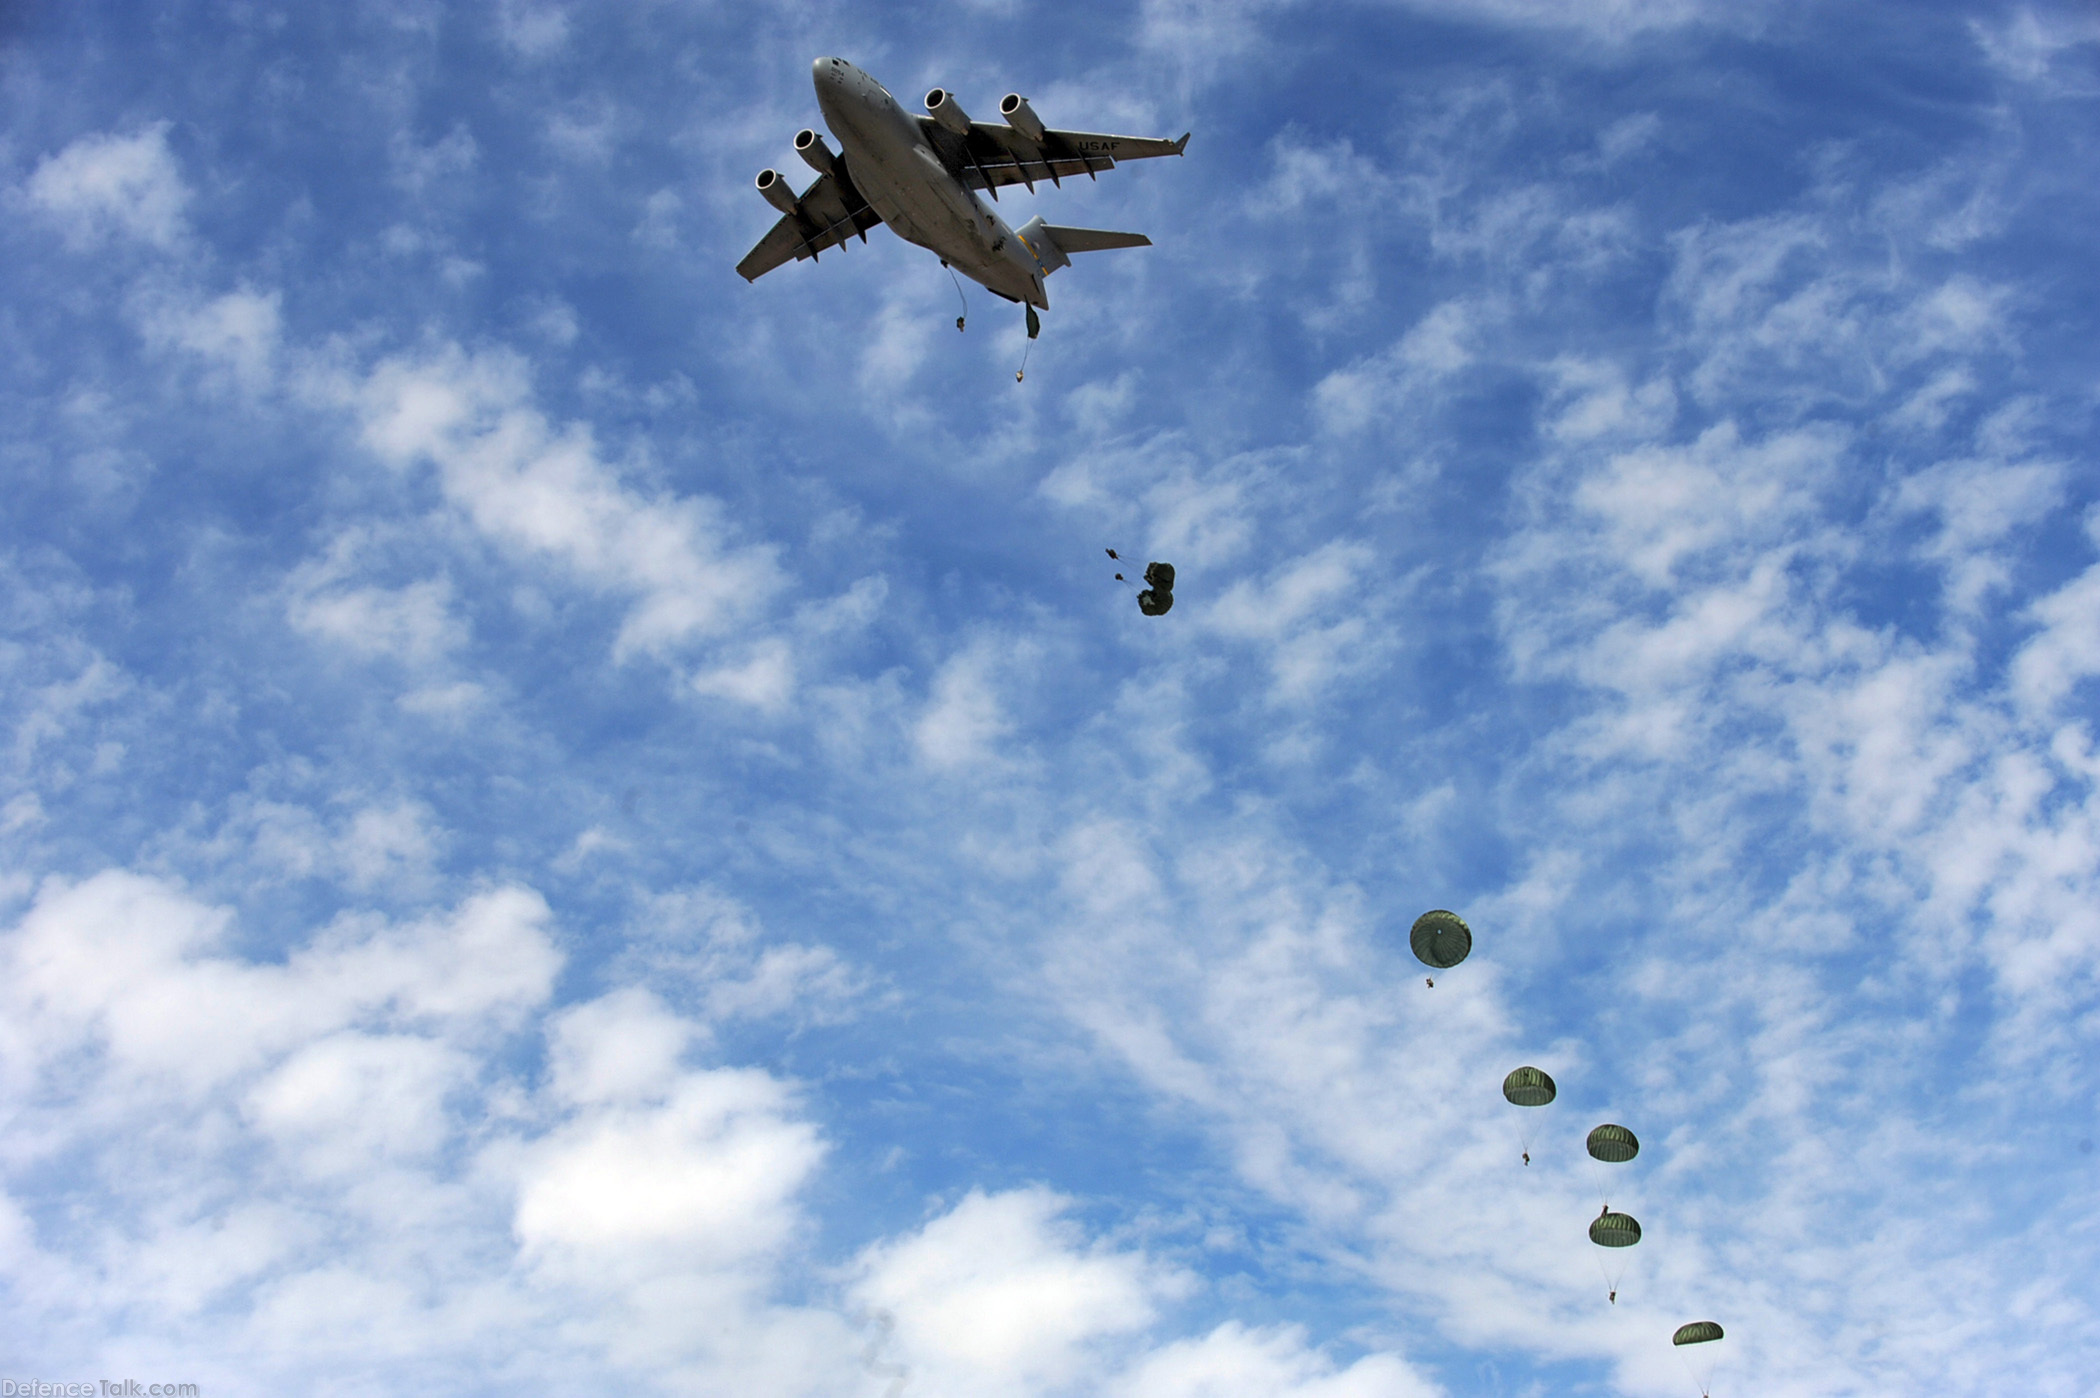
921,174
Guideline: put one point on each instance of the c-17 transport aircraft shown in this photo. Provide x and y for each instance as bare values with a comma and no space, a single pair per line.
920,174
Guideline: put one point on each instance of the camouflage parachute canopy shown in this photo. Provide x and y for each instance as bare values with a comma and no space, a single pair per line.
1697,1333
1440,939
1614,1145
1612,1230
1528,1087
1158,597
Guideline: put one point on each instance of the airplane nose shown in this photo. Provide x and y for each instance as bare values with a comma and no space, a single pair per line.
829,70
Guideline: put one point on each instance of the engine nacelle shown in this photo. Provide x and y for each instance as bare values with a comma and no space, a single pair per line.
1021,117
774,186
810,146
942,107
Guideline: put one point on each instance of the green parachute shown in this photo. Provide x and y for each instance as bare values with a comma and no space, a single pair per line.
1528,1087
1615,1231
1614,1145
1440,940
1699,1332
1158,597
1610,1230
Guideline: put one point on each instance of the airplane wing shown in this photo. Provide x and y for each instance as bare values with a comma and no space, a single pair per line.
994,155
828,213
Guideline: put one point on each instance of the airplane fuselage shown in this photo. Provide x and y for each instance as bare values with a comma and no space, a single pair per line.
899,173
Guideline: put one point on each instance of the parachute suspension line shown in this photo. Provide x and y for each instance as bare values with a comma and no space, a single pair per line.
1612,1274
1699,1334
1035,328
1529,1090
959,296
1133,588
1156,597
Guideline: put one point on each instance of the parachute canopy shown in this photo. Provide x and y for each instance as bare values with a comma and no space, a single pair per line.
1158,597
1610,1230
1697,1333
1528,1087
1614,1145
1440,939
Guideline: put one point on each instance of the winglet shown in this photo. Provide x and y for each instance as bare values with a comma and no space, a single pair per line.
1183,144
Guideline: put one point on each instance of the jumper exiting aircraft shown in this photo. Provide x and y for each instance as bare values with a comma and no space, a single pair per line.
919,175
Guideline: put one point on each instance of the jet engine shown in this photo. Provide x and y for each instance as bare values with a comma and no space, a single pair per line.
774,186
941,105
810,146
1021,117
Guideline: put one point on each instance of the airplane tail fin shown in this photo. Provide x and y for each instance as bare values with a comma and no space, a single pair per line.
1093,239
1052,243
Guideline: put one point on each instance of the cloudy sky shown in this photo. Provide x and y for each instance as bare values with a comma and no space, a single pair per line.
575,825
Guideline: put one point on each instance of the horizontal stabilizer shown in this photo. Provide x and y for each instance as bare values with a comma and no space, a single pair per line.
1093,239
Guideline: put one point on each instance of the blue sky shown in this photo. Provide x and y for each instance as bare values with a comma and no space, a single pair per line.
576,824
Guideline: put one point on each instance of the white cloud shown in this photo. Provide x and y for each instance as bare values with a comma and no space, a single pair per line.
21,812
393,844
1664,507
548,492
450,703
633,1210
388,847
55,710
998,1296
586,131
1983,506
2066,648
764,681
718,948
108,186
352,1102
623,1046
1628,136
1380,387
238,333
1593,399
2029,43
533,31
704,1180
1234,1361
134,971
414,623
331,1166
965,717
1318,616
1330,177
659,223
442,166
